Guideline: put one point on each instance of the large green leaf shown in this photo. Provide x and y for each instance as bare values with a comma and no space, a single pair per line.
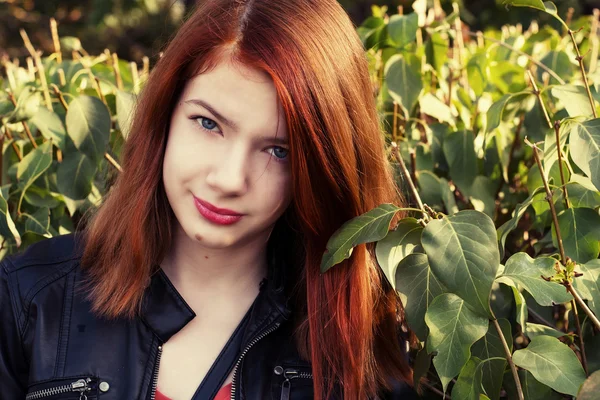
402,29
38,222
552,363
580,231
526,272
546,6
33,165
490,348
7,225
459,151
463,253
429,188
574,98
50,126
371,226
588,285
75,175
453,328
403,78
559,62
482,195
399,243
532,389
88,124
584,138
590,388
417,286
28,103
448,197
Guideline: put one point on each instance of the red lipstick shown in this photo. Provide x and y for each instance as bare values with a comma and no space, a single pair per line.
221,216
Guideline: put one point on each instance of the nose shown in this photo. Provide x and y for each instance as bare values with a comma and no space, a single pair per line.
229,172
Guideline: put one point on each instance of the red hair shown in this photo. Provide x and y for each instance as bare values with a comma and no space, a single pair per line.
349,317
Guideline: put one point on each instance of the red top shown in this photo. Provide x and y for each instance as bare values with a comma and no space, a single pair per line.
223,394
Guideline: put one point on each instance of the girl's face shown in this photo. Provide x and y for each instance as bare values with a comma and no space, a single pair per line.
227,148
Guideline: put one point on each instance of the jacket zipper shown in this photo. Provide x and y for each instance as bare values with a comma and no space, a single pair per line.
155,374
80,385
289,374
243,354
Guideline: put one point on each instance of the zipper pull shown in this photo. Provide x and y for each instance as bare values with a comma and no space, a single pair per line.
286,385
81,385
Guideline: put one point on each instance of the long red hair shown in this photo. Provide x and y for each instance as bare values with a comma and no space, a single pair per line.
350,317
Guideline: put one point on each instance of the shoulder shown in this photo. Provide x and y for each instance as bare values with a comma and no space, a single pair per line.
42,263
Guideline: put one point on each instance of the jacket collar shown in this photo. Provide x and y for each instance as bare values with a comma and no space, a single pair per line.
165,311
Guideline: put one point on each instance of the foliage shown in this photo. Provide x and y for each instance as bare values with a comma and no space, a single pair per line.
497,265
498,269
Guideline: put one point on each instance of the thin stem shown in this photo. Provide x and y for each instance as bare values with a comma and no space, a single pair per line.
582,304
579,58
113,162
513,367
580,335
13,144
25,126
538,94
55,40
561,248
560,164
521,53
538,317
396,153
60,96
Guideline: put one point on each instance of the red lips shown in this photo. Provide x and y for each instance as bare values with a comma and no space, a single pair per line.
221,216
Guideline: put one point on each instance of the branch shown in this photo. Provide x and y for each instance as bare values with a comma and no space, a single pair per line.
579,58
409,179
513,367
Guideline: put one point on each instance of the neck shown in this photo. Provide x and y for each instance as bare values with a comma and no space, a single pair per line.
201,274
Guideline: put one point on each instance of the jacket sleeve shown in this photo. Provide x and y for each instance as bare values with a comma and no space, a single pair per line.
13,367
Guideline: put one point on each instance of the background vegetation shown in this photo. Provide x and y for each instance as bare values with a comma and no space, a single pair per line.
494,134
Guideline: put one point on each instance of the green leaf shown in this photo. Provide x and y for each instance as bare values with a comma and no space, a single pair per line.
463,254
552,363
559,62
32,166
75,175
584,139
88,124
459,151
490,348
582,196
580,232
28,103
590,388
453,329
402,29
436,51
125,105
468,384
403,79
588,285
398,243
7,225
417,286
434,107
546,6
496,111
534,330
39,222
448,197
532,389
574,98
421,367
50,126
512,223
429,187
482,195
526,272
39,197
477,72
371,226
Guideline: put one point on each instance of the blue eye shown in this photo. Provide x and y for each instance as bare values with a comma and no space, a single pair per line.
280,153
207,123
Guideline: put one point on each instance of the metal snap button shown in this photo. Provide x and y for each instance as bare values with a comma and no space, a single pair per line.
104,386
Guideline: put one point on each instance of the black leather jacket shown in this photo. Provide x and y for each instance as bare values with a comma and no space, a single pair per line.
53,347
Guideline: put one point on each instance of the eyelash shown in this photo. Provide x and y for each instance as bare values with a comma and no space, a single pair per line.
198,119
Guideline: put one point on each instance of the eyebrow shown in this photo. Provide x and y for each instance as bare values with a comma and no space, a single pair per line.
233,125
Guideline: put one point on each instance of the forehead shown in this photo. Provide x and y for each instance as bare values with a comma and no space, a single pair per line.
245,95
